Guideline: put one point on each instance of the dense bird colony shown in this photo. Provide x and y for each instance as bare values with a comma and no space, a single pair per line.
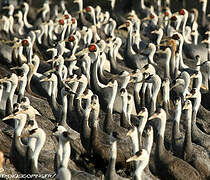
90,94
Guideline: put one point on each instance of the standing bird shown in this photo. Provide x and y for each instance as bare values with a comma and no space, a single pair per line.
111,172
169,166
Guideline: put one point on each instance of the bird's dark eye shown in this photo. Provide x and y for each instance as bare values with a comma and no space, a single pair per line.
173,18
122,90
33,131
139,153
197,57
143,109
175,37
66,134
23,99
55,129
31,122
193,91
66,16
158,111
15,111
115,134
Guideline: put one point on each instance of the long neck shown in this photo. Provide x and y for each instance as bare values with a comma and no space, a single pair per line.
113,157
112,99
141,166
25,17
66,154
94,77
186,85
64,109
175,130
135,141
160,148
149,142
39,144
187,147
142,123
142,6
155,91
129,49
167,70
137,87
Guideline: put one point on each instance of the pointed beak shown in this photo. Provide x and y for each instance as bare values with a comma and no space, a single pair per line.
204,87
145,19
17,45
13,68
11,116
193,76
122,26
188,96
153,116
5,7
51,60
86,50
3,79
154,32
133,158
205,41
129,132
44,79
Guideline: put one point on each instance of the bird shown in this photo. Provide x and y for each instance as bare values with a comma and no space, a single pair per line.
111,172
189,153
173,166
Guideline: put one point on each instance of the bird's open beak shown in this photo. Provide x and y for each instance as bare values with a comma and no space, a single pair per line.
133,158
